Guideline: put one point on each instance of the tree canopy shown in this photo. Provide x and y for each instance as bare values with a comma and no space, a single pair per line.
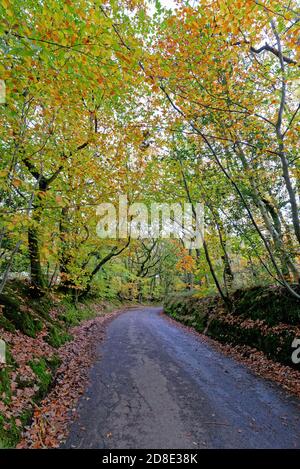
195,103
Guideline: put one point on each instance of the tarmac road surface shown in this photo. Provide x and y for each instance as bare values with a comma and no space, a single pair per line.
156,385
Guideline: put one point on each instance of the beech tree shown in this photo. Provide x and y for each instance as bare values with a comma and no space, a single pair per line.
195,103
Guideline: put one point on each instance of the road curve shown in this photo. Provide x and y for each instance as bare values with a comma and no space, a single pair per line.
156,385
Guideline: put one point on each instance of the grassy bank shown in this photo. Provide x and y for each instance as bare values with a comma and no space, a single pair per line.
33,331
264,318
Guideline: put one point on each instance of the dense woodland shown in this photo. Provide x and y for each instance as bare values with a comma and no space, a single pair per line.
198,102
173,102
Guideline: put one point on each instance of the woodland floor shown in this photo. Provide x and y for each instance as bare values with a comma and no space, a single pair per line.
158,385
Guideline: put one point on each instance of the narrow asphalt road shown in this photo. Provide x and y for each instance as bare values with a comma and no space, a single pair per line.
156,385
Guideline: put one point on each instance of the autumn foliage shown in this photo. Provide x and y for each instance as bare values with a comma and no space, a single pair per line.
194,103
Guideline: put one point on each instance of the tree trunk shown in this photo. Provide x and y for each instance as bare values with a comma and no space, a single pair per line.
36,273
